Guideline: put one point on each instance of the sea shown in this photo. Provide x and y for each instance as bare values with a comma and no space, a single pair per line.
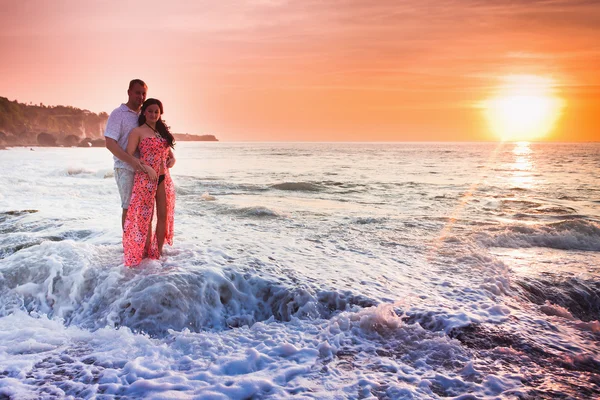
307,271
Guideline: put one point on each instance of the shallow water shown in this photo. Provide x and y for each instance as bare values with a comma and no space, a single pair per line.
308,270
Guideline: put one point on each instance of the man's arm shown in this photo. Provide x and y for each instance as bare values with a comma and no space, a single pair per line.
170,159
112,134
132,145
113,146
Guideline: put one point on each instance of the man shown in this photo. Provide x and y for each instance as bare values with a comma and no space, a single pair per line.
120,123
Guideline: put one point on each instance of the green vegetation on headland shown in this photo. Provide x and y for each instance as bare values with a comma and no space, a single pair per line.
40,125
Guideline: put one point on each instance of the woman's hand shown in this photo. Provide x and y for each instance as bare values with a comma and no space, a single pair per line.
170,162
151,173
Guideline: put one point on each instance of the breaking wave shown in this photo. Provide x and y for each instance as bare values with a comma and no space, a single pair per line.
73,284
577,234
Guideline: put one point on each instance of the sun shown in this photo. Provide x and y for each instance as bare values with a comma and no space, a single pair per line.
524,108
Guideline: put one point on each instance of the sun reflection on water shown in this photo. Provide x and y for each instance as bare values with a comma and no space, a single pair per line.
523,166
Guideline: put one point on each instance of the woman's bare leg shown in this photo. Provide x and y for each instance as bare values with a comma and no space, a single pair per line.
161,215
148,238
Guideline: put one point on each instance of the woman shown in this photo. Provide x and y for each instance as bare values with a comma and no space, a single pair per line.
154,186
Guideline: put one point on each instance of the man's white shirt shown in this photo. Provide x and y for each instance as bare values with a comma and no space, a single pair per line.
120,123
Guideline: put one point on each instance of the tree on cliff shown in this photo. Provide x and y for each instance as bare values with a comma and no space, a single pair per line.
22,123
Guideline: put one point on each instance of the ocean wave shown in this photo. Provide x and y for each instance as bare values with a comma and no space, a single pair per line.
538,216
568,198
567,298
526,204
72,283
73,171
486,337
228,187
83,172
16,221
182,191
574,234
532,209
569,373
298,186
369,220
6,215
193,186
436,321
554,210
8,247
19,232
257,212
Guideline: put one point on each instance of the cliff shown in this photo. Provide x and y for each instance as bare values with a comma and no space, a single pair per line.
186,137
40,125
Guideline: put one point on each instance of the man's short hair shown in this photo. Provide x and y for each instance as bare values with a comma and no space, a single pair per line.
138,82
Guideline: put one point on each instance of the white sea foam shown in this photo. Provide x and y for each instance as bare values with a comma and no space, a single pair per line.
283,283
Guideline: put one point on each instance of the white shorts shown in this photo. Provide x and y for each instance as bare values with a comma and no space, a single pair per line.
124,178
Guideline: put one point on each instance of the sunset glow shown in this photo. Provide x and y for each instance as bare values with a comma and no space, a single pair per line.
319,71
524,108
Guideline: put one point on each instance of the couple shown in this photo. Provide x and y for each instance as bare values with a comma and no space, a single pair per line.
143,151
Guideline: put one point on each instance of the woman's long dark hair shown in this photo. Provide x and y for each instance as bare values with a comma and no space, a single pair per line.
161,127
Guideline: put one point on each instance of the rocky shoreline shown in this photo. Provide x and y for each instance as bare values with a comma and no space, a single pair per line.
32,125
49,140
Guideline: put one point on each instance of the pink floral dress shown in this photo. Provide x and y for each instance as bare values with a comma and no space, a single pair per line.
154,152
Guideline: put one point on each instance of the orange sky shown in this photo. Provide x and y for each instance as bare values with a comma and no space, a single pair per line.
306,70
